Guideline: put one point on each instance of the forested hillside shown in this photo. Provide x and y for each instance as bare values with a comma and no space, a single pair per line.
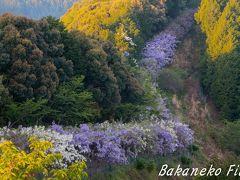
127,23
219,20
36,8
115,89
39,58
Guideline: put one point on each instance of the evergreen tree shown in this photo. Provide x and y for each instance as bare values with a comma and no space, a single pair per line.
110,80
225,85
74,103
3,93
31,57
29,112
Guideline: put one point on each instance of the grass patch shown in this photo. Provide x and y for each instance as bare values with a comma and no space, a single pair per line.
171,79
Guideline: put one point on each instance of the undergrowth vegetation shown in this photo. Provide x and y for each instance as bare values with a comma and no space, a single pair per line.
36,163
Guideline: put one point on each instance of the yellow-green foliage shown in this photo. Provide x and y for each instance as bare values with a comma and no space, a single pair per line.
17,164
208,14
112,19
93,16
126,28
220,20
96,17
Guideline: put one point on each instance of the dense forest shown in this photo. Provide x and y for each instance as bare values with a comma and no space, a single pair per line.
114,89
221,68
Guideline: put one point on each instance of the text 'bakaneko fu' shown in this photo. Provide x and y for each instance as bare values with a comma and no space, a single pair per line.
233,170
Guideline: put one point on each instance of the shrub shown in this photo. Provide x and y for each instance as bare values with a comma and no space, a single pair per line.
151,166
29,112
172,80
37,163
186,160
194,148
228,137
140,164
128,112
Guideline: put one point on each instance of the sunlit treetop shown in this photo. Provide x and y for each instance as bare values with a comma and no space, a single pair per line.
220,19
120,21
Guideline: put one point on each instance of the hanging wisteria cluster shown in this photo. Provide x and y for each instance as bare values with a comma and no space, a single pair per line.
159,52
107,142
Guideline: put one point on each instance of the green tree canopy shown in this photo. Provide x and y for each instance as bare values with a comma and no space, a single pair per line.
225,89
111,81
106,76
222,80
74,102
31,57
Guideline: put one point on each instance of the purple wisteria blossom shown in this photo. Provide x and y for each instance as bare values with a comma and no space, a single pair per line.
113,143
57,128
165,142
116,142
185,135
160,51
100,145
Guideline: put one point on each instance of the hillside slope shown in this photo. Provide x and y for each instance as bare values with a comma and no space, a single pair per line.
36,9
193,107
